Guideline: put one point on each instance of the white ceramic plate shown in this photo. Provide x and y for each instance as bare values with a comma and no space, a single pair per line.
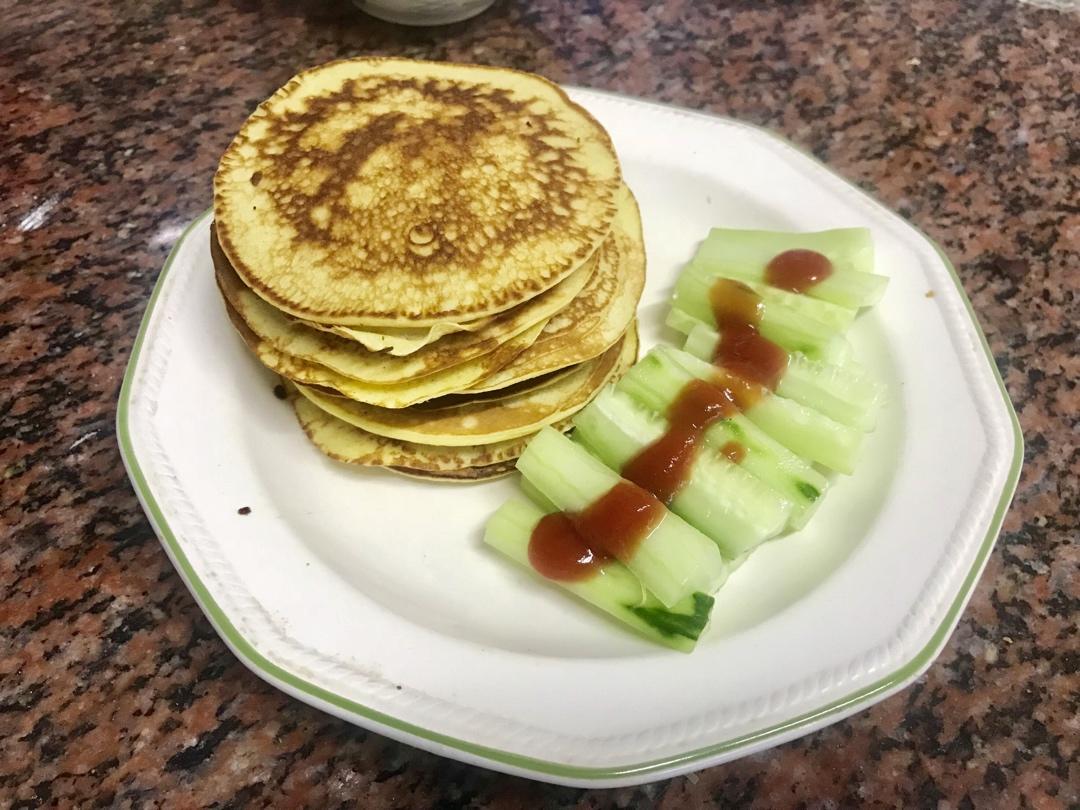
371,596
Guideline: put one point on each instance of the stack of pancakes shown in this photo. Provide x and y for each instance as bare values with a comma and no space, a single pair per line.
437,259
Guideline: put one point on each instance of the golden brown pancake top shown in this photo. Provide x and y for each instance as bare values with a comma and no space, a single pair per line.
390,192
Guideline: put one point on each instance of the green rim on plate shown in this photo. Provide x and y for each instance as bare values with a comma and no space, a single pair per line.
261,666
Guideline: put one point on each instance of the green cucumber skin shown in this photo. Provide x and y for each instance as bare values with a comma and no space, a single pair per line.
671,624
614,590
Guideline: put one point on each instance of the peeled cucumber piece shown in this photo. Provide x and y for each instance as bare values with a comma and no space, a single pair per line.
655,385
697,279
802,430
536,496
722,500
614,588
835,350
701,341
844,392
744,254
674,561
792,330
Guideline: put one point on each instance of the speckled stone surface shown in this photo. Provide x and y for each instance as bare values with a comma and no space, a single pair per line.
114,690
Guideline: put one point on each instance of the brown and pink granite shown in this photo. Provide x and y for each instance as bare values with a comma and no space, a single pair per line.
114,690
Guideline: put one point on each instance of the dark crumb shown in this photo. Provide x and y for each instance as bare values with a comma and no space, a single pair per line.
279,391
244,510
398,688
929,293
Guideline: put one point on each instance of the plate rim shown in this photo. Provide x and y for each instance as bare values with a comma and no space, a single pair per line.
521,764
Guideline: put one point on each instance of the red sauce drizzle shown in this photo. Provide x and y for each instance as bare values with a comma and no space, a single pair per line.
572,546
735,304
797,270
662,467
742,350
734,451
619,520
750,367
557,551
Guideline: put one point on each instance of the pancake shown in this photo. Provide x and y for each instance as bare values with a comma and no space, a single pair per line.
598,316
397,395
391,192
349,359
487,421
402,340
352,445
534,384
466,475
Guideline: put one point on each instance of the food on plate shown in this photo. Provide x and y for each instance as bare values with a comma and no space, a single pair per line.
835,266
845,392
289,336
616,519
802,430
485,419
612,588
736,434
390,192
348,443
387,395
594,319
407,243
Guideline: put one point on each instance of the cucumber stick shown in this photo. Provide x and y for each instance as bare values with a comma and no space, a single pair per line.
696,278
844,392
791,329
744,255
655,386
702,340
674,561
837,350
802,430
614,588
722,500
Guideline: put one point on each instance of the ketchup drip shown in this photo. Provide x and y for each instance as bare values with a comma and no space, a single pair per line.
735,304
663,466
797,270
734,452
557,551
750,367
572,546
741,349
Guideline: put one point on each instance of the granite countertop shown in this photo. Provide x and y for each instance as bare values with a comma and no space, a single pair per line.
115,691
